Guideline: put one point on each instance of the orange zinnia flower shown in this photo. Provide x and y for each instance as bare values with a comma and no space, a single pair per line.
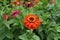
35,1
31,21
13,1
16,2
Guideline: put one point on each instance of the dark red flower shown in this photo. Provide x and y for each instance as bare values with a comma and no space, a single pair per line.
28,4
31,21
51,1
5,17
14,12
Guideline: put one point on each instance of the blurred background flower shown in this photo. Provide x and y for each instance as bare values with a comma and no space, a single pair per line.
4,16
14,12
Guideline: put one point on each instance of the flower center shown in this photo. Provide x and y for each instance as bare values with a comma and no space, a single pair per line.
31,19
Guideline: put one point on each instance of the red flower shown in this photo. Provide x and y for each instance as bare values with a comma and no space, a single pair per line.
5,17
28,4
19,3
51,1
31,21
14,12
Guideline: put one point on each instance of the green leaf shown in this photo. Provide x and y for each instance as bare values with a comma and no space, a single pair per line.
8,33
23,37
2,35
29,36
58,29
35,37
7,23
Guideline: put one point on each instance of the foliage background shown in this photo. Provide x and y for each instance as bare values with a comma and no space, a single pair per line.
13,29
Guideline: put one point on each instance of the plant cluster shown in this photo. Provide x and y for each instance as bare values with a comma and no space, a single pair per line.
29,19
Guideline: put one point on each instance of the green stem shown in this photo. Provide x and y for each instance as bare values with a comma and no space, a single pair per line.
30,34
31,30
